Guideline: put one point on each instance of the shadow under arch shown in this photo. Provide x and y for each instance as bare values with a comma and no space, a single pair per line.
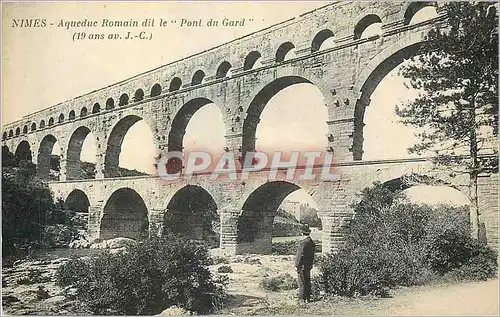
23,152
77,201
192,214
370,78
124,215
255,223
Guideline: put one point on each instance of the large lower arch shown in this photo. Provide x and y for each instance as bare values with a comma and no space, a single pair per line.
192,214
115,140
371,77
44,160
73,162
255,224
23,152
125,215
181,120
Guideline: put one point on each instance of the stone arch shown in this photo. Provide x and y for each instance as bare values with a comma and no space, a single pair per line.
110,103
73,162
33,126
181,120
42,124
25,129
83,112
320,37
251,59
198,77
96,108
18,131
51,121
365,22
223,70
124,215
413,7
11,133
23,151
77,201
283,50
175,84
155,90
4,136
115,140
61,118
255,222
139,95
123,101
72,115
371,76
44,160
192,213
260,98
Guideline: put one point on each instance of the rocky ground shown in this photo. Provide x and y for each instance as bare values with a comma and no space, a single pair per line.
29,288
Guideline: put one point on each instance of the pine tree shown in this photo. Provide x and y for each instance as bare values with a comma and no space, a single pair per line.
456,75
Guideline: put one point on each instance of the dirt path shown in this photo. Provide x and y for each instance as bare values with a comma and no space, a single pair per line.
470,298
478,298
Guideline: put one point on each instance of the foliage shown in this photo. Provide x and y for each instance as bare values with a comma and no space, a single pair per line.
290,247
309,216
25,204
392,242
284,214
278,283
225,269
283,227
284,248
150,277
457,76
456,110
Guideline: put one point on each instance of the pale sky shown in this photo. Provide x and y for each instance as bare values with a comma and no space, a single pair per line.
43,66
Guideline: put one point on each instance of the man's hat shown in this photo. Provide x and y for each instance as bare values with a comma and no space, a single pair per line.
305,229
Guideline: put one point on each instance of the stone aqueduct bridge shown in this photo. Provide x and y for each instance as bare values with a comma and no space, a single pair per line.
166,98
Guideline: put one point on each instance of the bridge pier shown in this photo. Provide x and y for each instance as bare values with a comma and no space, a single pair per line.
335,229
229,232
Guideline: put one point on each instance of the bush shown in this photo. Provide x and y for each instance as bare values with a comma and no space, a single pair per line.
225,269
368,271
392,242
290,247
278,283
284,248
150,277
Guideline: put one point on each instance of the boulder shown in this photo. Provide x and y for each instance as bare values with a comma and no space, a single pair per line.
114,243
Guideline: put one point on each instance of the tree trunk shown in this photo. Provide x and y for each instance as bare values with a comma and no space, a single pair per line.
474,171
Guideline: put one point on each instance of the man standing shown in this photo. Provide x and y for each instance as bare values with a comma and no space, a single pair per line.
304,263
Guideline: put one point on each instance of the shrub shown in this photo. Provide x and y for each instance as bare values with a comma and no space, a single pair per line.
150,277
279,283
284,248
220,260
392,242
290,247
367,270
225,269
